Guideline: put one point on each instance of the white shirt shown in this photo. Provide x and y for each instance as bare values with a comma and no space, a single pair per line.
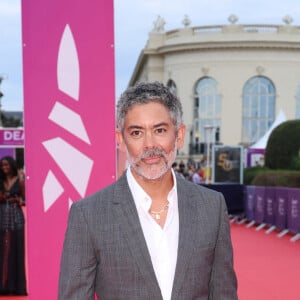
196,178
162,242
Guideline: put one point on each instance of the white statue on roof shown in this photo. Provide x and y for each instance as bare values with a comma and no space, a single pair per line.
159,25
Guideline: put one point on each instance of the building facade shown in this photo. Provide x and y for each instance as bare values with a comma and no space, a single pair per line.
232,79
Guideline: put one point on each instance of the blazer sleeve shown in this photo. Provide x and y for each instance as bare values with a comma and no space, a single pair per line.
223,283
78,261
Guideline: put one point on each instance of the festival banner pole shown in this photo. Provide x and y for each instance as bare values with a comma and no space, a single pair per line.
69,106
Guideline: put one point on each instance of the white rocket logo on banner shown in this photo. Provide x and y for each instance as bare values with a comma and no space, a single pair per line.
63,153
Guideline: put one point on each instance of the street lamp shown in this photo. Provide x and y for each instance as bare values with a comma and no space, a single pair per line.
208,134
197,135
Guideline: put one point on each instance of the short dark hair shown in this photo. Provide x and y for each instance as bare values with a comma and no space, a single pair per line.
146,92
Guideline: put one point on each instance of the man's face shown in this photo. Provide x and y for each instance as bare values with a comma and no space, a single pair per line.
150,139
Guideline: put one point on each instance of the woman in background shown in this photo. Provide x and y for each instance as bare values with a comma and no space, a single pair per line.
12,241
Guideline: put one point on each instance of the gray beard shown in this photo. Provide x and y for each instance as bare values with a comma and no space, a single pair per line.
155,171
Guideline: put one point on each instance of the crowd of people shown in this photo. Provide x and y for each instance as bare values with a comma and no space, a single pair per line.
192,170
12,231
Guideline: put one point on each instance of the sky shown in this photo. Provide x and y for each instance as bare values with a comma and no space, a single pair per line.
133,20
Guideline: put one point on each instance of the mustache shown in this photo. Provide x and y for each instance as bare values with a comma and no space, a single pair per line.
153,152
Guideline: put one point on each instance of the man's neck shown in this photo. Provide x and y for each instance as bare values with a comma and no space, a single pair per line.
157,189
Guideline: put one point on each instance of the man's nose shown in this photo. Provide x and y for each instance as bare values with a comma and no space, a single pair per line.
149,141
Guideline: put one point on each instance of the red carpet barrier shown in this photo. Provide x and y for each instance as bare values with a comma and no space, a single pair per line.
270,205
259,209
293,216
249,201
281,203
233,194
274,206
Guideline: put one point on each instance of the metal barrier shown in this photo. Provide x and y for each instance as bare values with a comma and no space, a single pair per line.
273,208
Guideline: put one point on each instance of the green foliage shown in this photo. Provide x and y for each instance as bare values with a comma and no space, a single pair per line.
282,159
10,121
283,146
286,178
295,163
251,172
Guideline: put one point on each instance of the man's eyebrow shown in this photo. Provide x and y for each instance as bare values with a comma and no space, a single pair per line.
161,124
134,127
131,127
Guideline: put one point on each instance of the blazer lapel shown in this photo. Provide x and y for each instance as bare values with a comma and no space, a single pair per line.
131,227
187,234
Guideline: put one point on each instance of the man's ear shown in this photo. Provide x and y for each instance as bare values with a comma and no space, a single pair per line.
180,136
120,140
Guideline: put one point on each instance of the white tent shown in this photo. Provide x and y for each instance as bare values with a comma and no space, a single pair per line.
262,143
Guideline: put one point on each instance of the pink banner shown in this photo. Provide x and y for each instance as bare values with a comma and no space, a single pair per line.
11,137
69,109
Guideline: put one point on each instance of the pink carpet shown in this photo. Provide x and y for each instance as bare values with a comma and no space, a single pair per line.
267,267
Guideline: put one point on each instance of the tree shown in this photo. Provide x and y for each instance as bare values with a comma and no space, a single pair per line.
283,147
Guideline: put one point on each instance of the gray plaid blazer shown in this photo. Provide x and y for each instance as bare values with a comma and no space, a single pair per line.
105,251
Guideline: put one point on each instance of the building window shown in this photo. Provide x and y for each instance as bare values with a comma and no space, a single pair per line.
258,108
172,86
207,107
297,115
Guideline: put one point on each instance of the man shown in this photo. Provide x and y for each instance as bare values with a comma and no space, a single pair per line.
150,235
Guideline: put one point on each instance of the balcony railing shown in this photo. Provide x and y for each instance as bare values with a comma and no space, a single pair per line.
236,28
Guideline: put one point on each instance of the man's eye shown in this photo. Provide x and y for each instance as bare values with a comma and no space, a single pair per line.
136,133
160,130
